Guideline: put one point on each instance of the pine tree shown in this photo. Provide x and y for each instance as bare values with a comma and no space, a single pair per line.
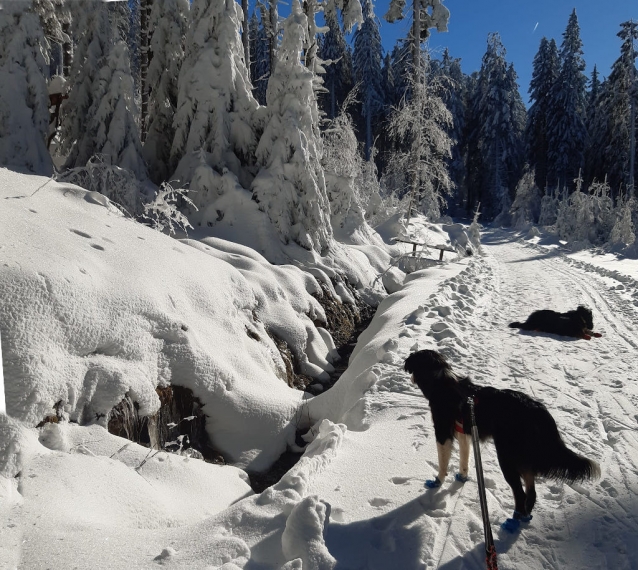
24,101
215,105
595,130
420,125
112,126
566,132
619,107
93,33
337,62
290,186
260,64
500,116
455,99
544,76
168,22
368,54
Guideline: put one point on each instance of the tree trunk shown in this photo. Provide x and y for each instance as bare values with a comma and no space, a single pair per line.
67,51
272,46
244,33
416,142
633,95
145,13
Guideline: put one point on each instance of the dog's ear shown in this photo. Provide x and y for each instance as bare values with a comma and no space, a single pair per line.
586,315
410,363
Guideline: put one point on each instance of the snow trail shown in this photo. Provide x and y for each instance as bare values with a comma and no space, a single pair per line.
588,387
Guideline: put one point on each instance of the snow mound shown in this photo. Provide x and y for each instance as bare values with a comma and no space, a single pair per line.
95,307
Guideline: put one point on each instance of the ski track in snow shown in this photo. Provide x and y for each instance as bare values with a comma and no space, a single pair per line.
588,386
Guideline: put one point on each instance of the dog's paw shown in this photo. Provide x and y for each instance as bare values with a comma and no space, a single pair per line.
511,525
433,483
586,337
597,335
461,478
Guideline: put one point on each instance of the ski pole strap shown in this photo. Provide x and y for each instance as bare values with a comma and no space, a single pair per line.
490,549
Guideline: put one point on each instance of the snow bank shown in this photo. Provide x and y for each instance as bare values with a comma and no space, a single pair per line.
94,307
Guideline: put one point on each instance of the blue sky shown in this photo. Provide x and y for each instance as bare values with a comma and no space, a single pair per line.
521,26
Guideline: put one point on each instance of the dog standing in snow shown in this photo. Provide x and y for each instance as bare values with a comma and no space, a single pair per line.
525,435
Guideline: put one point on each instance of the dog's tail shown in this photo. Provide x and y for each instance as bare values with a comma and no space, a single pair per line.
566,465
517,325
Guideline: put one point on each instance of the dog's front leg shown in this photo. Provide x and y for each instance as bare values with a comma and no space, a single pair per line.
444,451
464,456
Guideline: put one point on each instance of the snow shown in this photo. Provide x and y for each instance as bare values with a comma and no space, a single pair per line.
75,496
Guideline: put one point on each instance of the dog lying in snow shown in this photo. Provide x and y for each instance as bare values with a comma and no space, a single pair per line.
578,323
525,435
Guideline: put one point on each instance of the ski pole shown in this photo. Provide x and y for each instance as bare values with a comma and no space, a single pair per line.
490,549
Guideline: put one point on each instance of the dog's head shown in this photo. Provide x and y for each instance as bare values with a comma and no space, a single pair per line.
586,314
425,367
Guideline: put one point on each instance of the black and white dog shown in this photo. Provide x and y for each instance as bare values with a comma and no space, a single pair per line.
578,323
525,435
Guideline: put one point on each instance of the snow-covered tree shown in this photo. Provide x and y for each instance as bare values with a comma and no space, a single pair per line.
343,168
566,132
215,104
337,61
260,62
368,54
596,128
500,115
420,127
24,100
544,75
168,22
93,39
619,107
455,99
290,186
111,127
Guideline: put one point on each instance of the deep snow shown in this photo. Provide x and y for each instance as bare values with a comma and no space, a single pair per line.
77,497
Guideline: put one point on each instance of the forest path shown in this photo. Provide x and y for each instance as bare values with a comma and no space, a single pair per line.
384,518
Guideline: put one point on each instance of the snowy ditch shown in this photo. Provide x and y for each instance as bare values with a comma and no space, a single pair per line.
96,310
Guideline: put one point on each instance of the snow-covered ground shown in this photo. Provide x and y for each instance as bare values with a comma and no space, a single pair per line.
77,497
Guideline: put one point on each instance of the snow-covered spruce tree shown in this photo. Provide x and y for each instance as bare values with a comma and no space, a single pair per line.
420,127
500,116
53,15
337,61
290,186
215,104
24,100
620,108
623,232
111,121
343,170
566,132
368,54
93,39
526,207
260,62
596,128
455,99
544,75
168,22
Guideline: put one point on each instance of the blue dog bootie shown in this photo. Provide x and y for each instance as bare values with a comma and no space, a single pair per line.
513,524
433,483
461,478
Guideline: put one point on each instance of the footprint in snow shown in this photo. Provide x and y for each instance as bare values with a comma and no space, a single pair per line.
379,502
400,480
